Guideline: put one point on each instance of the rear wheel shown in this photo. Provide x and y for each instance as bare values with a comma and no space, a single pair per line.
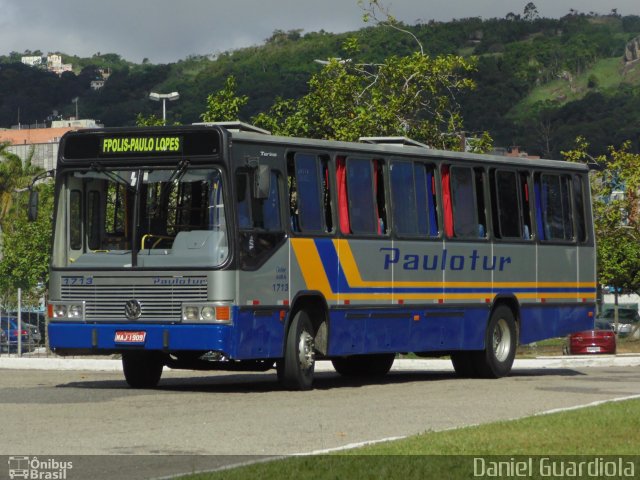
464,363
142,369
496,359
501,341
364,365
296,369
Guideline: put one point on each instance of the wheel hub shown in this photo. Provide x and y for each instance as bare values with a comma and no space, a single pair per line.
501,340
306,354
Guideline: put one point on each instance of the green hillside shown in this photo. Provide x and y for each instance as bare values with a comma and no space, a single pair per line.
606,75
539,81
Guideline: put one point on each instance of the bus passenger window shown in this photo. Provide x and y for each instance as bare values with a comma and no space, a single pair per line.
527,229
554,204
378,178
465,204
326,195
578,196
257,213
478,174
412,199
426,192
259,219
507,215
309,198
365,189
243,200
270,208
406,219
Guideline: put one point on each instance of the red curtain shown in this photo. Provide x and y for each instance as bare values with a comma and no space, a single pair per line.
343,201
446,202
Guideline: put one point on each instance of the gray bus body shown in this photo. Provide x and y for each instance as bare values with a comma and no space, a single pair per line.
202,247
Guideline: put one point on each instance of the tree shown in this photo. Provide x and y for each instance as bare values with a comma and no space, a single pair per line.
616,213
25,246
412,95
530,12
26,250
224,105
151,120
14,175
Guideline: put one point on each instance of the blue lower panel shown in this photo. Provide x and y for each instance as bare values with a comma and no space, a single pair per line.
446,328
253,335
548,321
178,337
259,334
409,329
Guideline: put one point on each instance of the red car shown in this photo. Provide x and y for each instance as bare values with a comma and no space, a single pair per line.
591,341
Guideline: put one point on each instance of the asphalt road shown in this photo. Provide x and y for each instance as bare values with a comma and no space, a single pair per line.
195,421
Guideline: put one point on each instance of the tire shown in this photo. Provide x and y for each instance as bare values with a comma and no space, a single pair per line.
142,369
501,341
296,369
364,365
464,363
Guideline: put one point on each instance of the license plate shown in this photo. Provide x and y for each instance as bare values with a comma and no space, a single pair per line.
593,349
130,337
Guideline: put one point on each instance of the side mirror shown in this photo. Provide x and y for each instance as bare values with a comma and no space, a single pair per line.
32,210
262,181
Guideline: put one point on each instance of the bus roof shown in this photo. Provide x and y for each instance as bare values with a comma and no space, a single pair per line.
397,147
207,139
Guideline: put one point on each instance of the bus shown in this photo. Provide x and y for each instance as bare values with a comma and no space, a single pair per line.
220,246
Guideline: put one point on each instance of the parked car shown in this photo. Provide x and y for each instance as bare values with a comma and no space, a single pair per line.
9,326
602,339
628,319
34,319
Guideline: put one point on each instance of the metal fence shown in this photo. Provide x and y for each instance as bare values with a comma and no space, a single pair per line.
23,331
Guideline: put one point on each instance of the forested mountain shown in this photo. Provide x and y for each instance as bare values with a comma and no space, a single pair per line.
540,82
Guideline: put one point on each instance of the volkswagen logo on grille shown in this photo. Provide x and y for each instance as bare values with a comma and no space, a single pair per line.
132,309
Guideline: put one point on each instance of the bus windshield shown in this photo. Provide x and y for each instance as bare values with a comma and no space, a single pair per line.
141,217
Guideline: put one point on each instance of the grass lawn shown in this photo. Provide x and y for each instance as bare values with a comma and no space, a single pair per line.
603,436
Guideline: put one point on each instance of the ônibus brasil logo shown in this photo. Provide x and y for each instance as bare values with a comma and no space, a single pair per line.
38,469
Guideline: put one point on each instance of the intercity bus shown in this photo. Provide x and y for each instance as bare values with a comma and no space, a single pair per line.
221,246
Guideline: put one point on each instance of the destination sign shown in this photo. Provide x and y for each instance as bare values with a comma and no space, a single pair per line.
149,145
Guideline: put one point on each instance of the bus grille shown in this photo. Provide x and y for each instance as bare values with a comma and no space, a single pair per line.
159,302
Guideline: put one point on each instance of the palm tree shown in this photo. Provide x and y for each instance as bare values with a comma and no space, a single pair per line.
15,175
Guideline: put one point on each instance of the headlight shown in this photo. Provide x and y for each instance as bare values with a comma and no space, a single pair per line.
208,314
190,314
66,310
215,312
75,311
59,311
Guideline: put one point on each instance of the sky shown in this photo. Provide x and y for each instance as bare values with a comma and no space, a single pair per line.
165,31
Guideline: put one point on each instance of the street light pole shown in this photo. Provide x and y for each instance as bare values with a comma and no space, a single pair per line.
173,96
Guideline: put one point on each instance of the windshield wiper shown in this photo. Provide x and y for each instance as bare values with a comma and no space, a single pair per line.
180,170
114,177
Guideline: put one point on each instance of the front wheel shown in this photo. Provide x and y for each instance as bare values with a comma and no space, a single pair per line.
296,369
142,369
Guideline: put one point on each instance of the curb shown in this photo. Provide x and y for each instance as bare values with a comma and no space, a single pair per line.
115,365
